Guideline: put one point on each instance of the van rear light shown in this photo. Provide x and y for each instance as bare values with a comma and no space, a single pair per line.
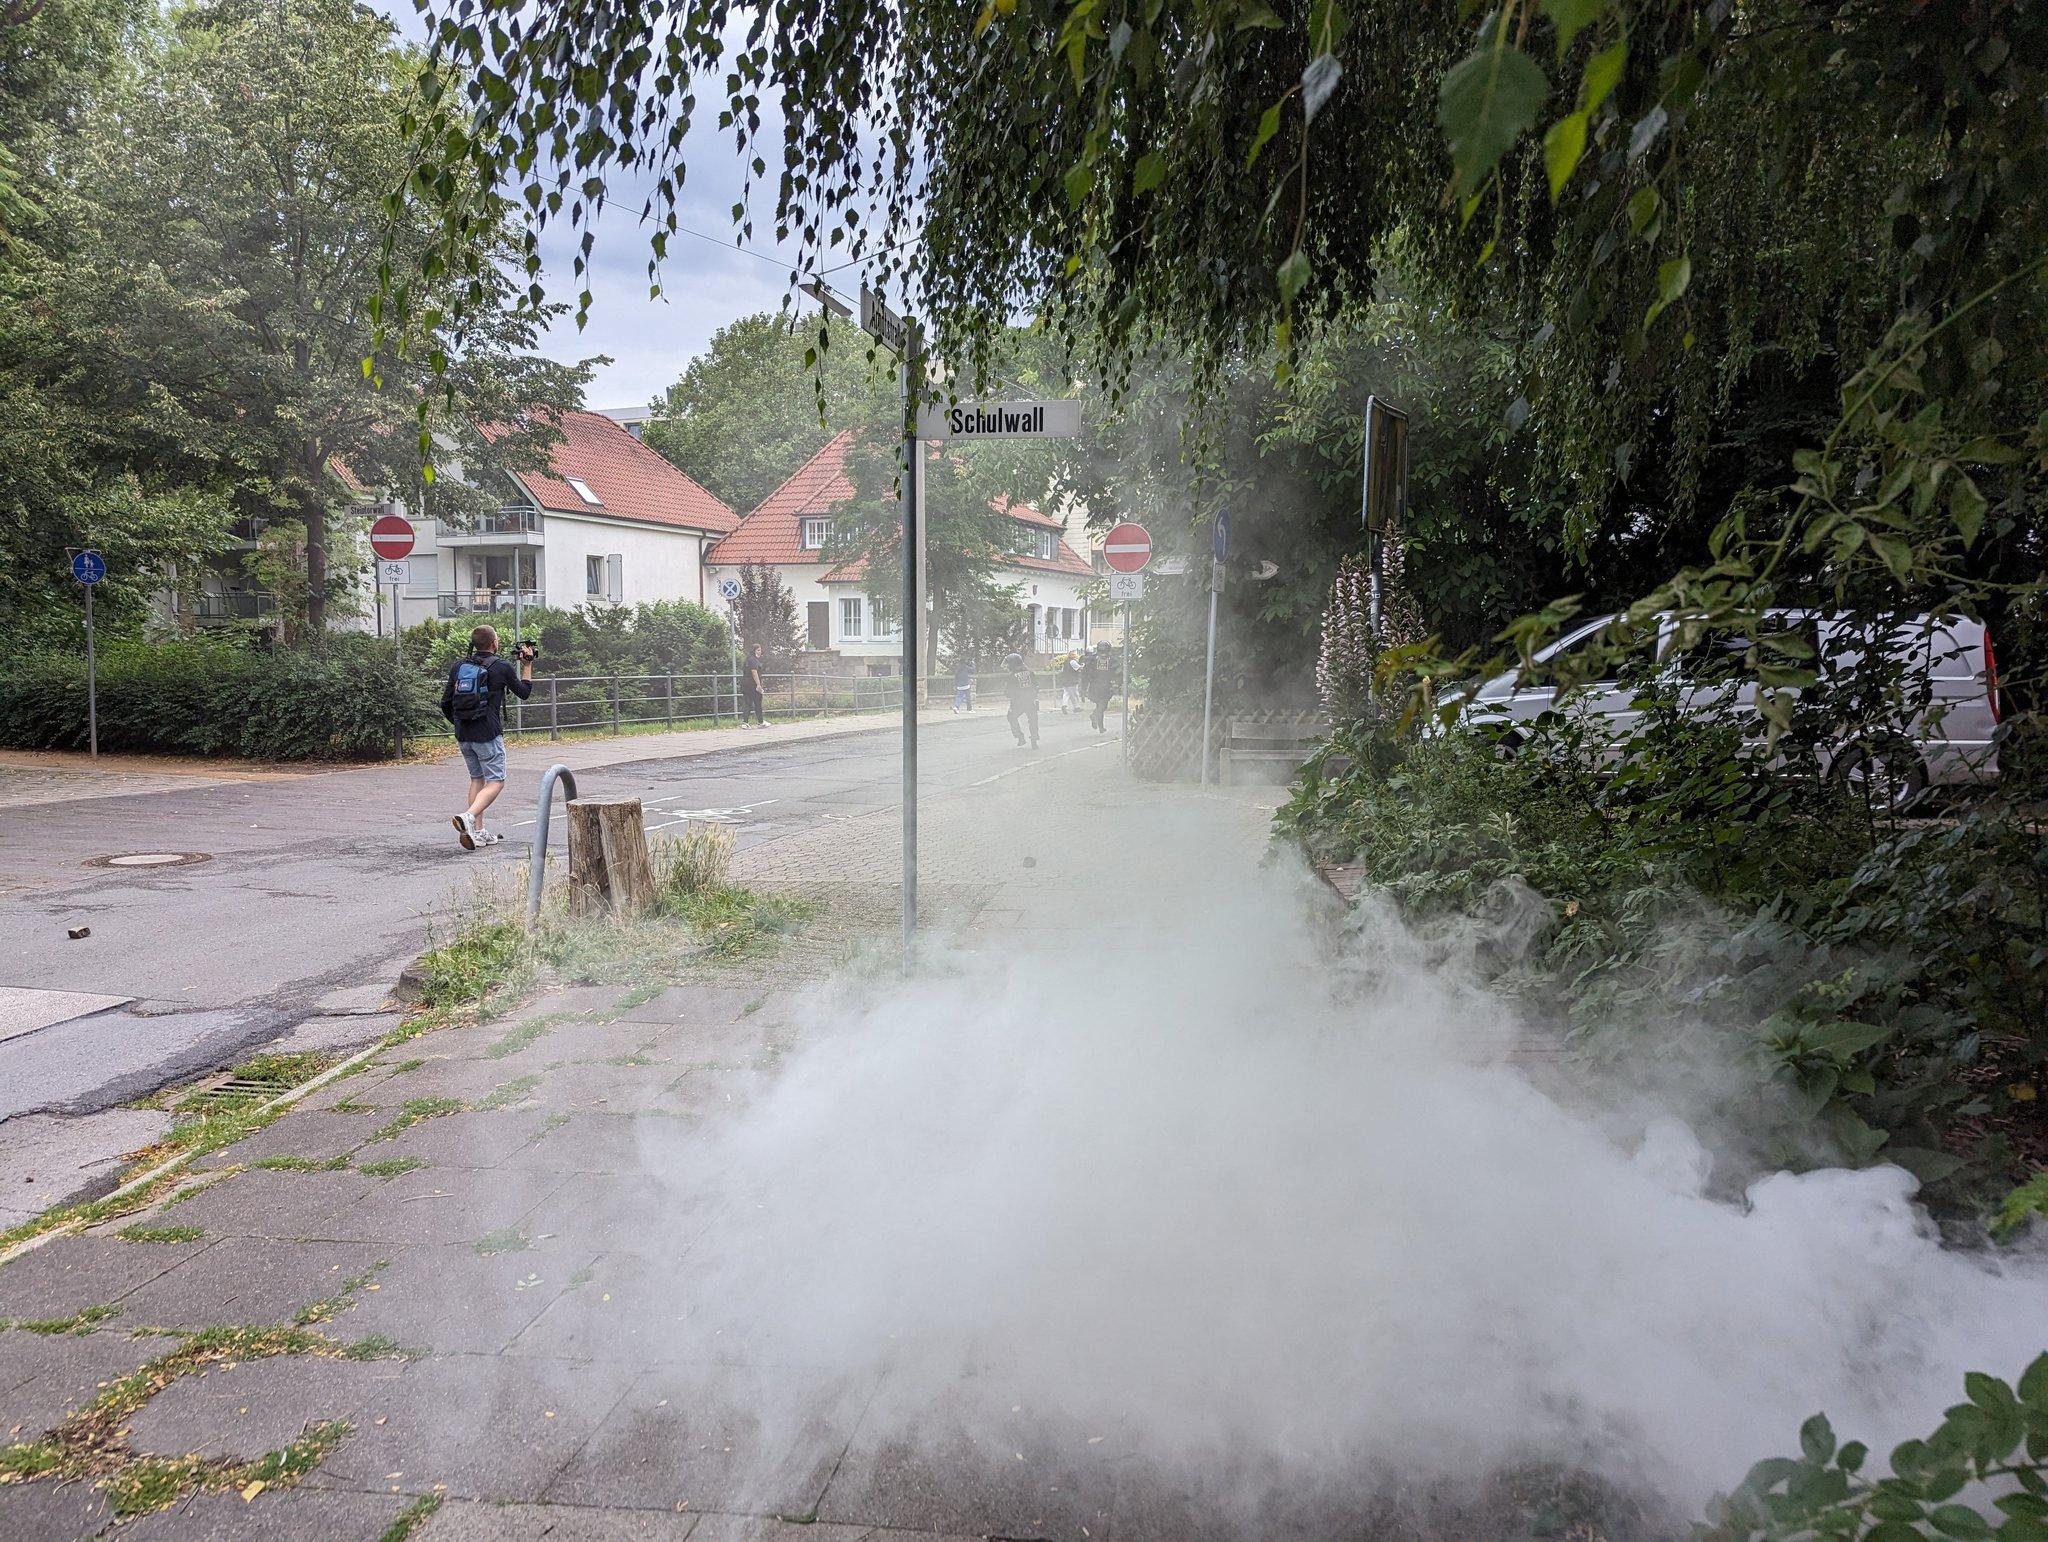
1991,677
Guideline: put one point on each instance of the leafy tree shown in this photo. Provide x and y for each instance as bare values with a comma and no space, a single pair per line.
227,207
967,535
765,616
747,411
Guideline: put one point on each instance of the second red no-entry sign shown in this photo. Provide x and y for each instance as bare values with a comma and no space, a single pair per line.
1127,548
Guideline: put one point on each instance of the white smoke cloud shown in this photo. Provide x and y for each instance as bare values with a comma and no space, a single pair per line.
1276,1203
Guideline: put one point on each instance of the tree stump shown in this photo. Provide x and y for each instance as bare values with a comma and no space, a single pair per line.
608,868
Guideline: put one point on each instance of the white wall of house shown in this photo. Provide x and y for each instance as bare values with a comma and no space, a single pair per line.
805,583
654,562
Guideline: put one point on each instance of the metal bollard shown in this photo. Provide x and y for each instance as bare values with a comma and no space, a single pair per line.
536,866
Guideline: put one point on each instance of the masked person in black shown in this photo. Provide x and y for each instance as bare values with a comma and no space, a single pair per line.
1096,683
1022,689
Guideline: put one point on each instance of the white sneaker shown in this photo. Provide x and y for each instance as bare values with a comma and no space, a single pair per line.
465,831
488,837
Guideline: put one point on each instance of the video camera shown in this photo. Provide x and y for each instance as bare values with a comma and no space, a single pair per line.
528,651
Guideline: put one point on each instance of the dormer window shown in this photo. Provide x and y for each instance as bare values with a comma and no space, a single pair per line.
811,533
1030,541
583,491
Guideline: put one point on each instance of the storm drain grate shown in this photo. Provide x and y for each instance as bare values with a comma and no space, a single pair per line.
230,1089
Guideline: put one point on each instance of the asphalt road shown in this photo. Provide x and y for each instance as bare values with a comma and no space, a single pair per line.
316,890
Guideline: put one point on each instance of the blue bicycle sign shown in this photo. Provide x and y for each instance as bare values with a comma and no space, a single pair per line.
88,567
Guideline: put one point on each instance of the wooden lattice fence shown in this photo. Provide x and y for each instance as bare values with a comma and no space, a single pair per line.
1166,745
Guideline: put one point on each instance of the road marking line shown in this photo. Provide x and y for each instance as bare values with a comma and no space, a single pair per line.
1043,760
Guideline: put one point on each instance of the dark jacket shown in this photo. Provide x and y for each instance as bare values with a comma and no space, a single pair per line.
499,677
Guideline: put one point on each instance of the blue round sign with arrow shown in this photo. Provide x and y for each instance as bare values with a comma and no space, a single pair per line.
1220,535
88,567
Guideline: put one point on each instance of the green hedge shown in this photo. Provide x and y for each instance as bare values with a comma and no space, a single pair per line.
342,700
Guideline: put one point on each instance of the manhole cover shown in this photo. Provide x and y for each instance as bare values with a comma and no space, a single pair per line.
151,859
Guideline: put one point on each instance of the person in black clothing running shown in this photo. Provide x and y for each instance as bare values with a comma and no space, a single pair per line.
473,699
1023,693
1097,685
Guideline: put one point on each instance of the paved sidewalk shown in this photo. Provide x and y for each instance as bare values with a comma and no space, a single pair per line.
494,1233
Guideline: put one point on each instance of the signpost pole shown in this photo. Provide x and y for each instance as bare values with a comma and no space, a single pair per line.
398,647
92,680
1127,685
912,549
1220,541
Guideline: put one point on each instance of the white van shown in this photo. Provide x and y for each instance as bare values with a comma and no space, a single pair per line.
1952,743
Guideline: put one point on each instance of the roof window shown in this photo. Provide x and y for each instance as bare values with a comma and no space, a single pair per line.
583,491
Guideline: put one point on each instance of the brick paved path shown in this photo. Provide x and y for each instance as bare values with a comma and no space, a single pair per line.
464,1226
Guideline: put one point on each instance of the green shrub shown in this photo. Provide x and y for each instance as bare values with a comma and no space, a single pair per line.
342,699
694,862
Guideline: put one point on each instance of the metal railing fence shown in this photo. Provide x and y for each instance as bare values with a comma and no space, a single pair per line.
562,703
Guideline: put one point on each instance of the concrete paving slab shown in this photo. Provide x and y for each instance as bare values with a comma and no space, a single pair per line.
316,1135
580,1043
487,1427
52,1512
64,1277
996,1473
469,1080
275,1513
455,1301
443,1204
460,1140
46,1377
253,1281
642,1309
613,1143
603,1089
627,1212
267,1203
760,1443
696,1005
467,1521
56,1159
25,1011
245,1408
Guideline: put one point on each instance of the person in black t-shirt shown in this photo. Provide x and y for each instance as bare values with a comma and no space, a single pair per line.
473,699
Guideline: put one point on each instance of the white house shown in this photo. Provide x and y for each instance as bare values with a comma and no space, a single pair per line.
791,527
610,522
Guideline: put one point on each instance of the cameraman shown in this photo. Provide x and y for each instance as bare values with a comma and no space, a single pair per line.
473,699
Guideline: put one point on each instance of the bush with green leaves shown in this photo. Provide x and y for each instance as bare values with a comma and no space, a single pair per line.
1884,977
1983,1473
344,698
660,637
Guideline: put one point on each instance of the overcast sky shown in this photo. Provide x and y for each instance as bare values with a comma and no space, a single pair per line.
706,282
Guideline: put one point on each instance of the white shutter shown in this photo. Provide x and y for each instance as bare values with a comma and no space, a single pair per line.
615,578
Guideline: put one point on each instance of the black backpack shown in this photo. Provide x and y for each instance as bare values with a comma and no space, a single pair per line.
471,691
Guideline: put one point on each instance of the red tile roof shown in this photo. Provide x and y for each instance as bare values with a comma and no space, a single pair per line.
633,481
771,533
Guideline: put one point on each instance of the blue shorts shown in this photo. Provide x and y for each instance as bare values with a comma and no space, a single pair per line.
486,761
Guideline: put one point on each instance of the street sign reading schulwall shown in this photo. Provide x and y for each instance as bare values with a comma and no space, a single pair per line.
1059,418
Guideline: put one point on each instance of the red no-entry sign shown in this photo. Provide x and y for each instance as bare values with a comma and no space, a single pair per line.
391,537
1127,548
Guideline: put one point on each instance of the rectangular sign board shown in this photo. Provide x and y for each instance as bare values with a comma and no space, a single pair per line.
1059,419
1127,586
395,572
1170,567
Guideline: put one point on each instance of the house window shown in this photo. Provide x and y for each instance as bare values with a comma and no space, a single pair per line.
850,618
811,533
583,491
1029,541
593,576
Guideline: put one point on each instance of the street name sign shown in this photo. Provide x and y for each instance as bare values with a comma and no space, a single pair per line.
391,537
1059,418
1127,548
88,567
883,324
1171,567
1127,586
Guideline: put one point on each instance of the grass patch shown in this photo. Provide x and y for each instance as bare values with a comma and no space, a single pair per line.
160,1234
502,1239
407,1065
411,1518
521,1035
514,1091
640,995
349,1106
327,1309
299,1164
481,958
739,922
416,1109
91,1445
285,1071
391,1168
82,1322
193,1192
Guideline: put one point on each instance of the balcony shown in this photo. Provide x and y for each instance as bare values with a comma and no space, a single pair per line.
468,602
244,605
502,527
245,532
